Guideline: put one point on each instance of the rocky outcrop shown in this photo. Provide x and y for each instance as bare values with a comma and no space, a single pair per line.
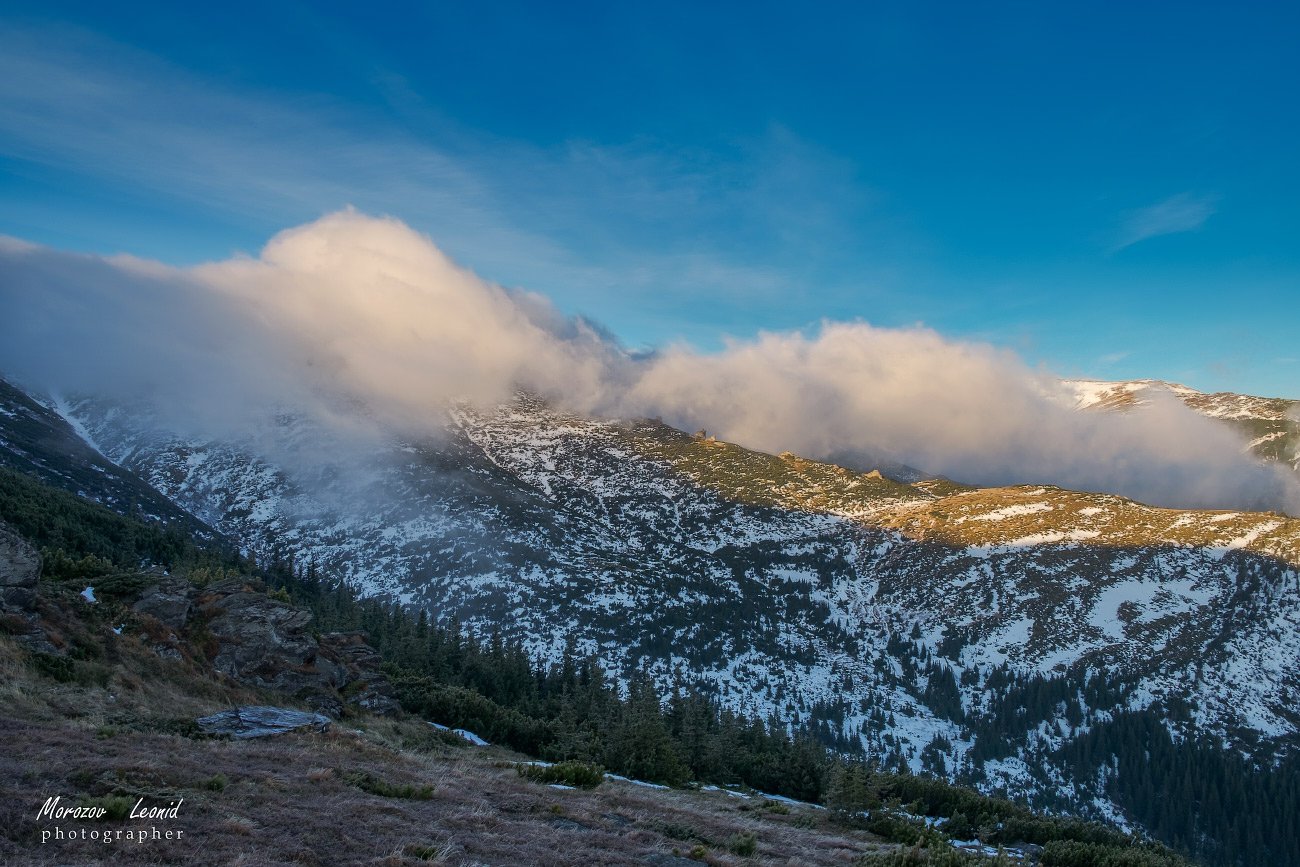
20,568
20,571
259,721
169,601
367,686
264,641
245,632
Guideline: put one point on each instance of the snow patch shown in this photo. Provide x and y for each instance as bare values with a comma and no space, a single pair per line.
622,779
1013,511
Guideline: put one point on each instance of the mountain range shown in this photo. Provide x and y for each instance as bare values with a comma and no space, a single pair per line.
1010,637
1270,425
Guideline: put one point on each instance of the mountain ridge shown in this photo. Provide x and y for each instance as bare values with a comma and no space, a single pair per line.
899,619
103,680
1271,425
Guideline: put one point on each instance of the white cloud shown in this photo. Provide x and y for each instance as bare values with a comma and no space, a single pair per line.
349,307
970,411
352,311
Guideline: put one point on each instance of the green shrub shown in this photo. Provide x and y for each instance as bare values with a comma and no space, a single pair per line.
959,827
422,852
680,831
65,669
117,807
367,782
464,708
895,829
59,668
580,775
742,844
938,856
1073,853
185,727
122,584
57,565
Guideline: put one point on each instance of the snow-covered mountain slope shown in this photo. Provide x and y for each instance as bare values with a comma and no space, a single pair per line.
1270,426
36,439
927,622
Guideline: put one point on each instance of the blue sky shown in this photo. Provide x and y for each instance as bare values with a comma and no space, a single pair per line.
1108,189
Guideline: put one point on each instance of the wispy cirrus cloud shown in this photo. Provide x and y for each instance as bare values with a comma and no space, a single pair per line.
1115,357
1184,212
630,231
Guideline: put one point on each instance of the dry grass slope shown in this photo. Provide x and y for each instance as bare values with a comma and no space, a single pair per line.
297,799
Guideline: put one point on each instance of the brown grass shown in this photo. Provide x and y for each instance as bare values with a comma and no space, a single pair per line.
287,800
278,807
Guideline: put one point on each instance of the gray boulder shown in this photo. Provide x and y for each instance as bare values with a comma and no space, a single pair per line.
259,721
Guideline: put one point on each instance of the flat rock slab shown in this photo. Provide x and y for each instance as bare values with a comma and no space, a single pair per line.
259,721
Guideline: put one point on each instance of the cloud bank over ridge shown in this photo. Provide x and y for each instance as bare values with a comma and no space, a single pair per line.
361,321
